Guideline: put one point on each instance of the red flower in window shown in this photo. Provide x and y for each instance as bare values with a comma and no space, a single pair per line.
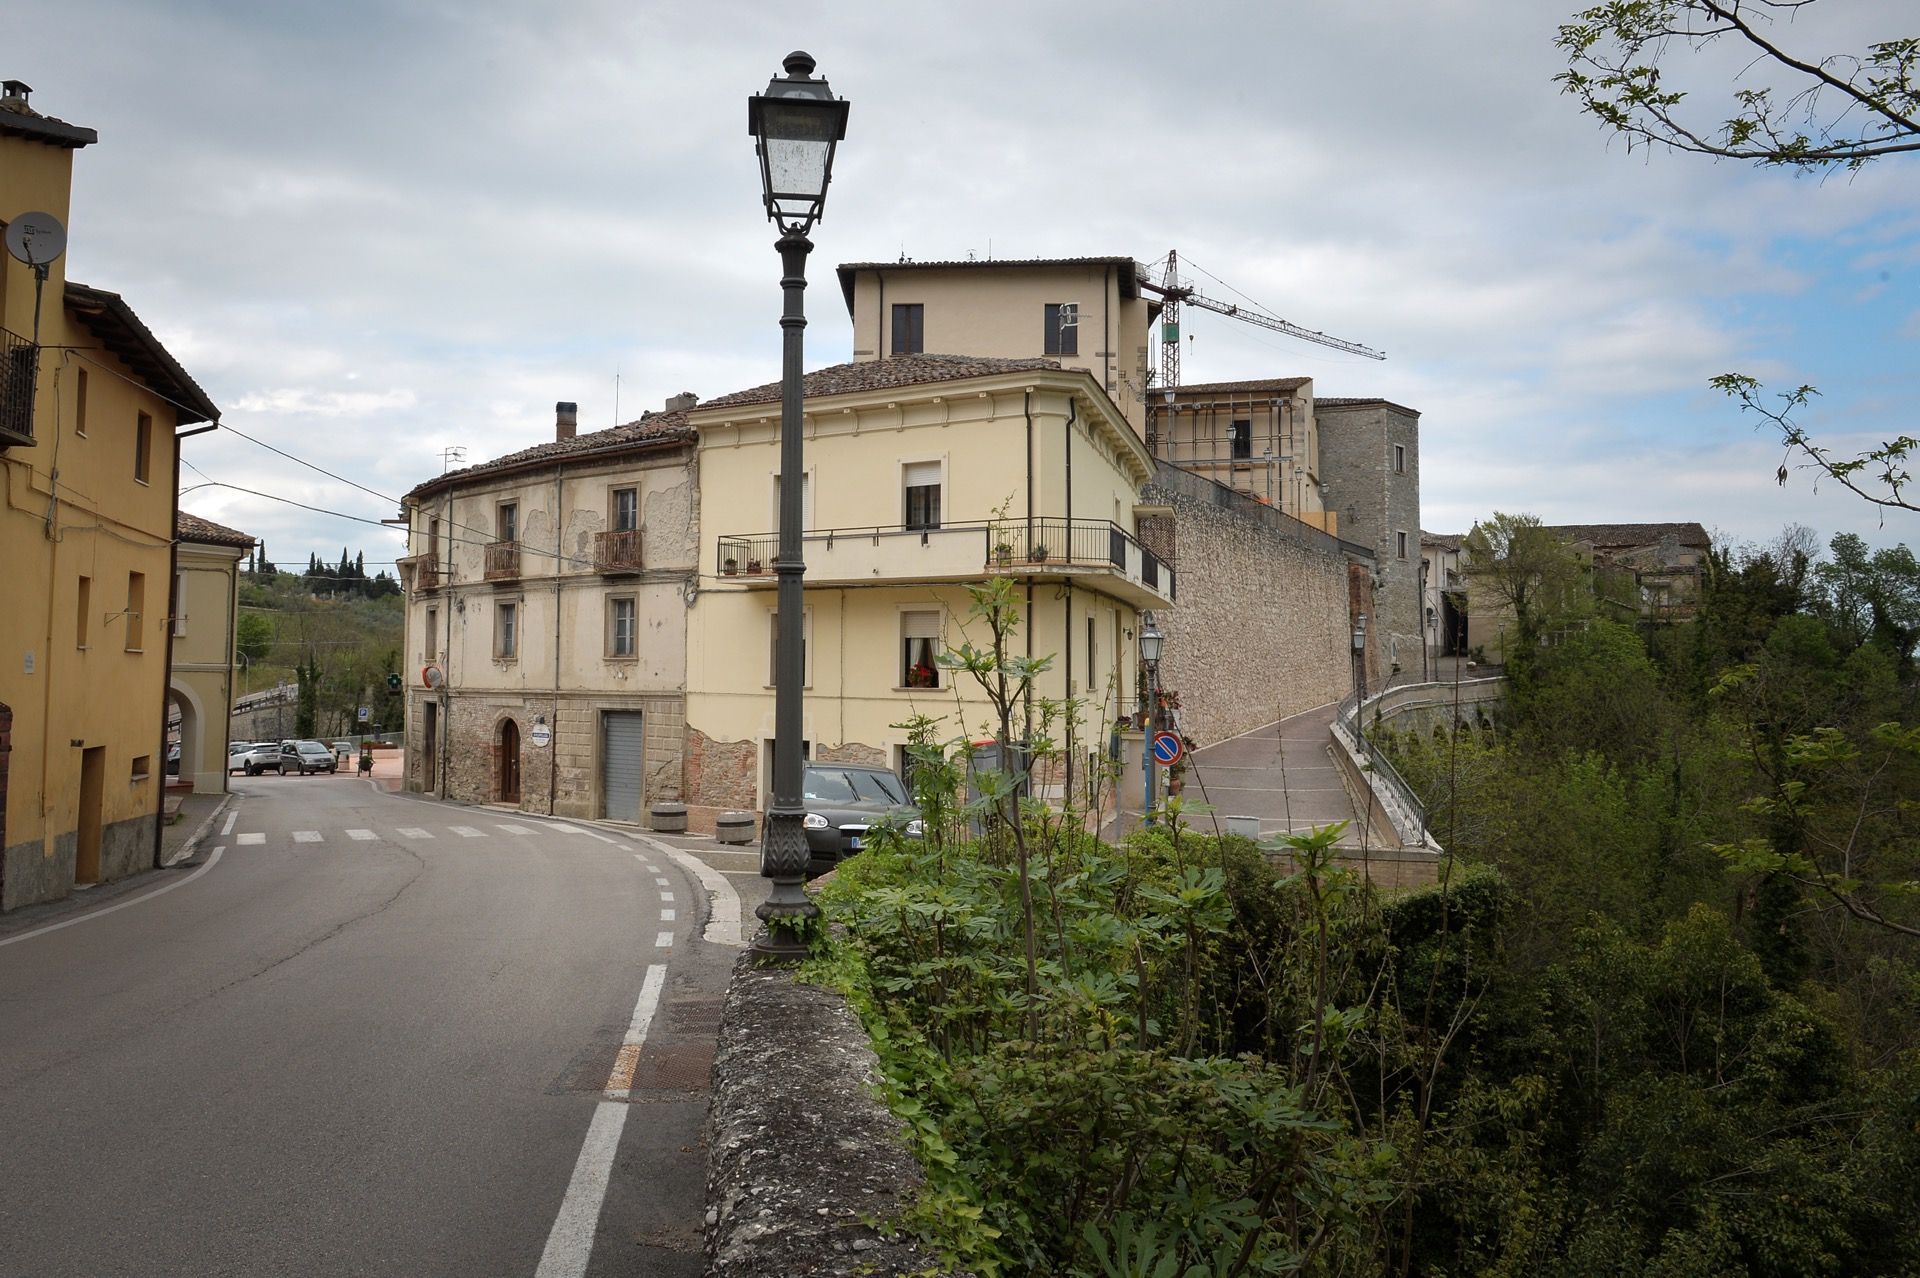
922,675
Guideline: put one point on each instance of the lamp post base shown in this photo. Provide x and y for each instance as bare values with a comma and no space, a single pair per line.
787,911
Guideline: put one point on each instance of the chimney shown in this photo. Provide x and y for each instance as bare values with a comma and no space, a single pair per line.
685,399
566,420
15,94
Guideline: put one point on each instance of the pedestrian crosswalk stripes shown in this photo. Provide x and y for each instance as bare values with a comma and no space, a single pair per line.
250,838
466,832
416,833
513,829
306,836
412,832
362,836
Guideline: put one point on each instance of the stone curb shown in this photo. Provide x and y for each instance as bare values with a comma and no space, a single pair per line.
801,1155
193,840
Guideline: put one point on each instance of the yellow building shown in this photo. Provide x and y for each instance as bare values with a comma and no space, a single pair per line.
90,421
924,473
206,590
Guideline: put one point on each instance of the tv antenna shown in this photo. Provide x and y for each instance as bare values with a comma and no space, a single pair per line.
452,456
36,239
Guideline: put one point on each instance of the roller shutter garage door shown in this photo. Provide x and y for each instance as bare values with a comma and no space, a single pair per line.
621,756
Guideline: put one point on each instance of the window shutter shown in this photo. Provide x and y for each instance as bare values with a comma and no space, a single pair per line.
922,474
920,625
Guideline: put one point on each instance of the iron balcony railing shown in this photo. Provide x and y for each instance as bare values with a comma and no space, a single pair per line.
428,575
503,561
617,551
963,550
19,380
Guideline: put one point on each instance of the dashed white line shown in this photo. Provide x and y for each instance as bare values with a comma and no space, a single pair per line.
413,832
661,881
467,832
723,903
570,1242
652,869
512,829
666,916
227,828
362,836
306,836
663,941
666,896
244,839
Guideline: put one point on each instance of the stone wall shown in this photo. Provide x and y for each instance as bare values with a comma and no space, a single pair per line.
1260,630
854,752
721,775
29,875
562,778
1376,503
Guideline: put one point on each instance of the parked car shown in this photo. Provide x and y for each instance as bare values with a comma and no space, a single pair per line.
306,756
237,752
261,756
173,759
844,802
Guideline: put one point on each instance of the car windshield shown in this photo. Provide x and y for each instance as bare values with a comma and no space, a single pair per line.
881,787
827,787
851,785
311,747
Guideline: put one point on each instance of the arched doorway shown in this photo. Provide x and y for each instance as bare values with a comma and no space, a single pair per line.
186,729
509,791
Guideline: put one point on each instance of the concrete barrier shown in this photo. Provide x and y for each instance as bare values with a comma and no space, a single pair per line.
668,818
734,827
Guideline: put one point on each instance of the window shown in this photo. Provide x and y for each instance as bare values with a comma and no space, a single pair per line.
626,509
81,611
922,483
806,647
919,644
506,631
1400,544
142,767
433,540
1063,328
431,639
1399,459
136,610
909,328
806,500
80,401
509,521
179,608
142,447
1242,438
620,633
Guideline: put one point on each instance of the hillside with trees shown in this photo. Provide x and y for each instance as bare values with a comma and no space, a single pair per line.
332,631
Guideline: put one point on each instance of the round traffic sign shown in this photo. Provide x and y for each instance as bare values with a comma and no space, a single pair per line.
1167,748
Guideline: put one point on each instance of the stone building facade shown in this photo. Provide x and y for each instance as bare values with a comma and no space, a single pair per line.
1261,628
1369,454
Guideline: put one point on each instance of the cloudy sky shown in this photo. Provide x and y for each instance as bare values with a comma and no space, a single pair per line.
375,231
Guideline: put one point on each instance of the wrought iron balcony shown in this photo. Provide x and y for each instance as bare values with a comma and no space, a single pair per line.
617,552
1097,552
19,381
427,576
503,561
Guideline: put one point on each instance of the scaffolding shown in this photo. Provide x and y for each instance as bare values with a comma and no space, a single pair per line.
1255,443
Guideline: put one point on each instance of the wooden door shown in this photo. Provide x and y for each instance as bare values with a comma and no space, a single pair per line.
509,762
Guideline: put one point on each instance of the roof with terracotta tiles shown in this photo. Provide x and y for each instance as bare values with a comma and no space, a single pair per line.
1229,388
188,527
1616,536
886,374
649,429
20,120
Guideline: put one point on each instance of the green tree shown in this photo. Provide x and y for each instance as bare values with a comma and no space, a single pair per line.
1522,567
1875,596
252,637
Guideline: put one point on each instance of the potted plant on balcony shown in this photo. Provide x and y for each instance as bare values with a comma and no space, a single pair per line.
922,675
1003,553
729,565
1038,554
753,568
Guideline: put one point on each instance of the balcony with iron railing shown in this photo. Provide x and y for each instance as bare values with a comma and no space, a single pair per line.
503,561
19,381
427,576
1097,552
617,552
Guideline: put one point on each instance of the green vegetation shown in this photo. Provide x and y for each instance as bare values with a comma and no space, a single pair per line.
1658,1018
332,632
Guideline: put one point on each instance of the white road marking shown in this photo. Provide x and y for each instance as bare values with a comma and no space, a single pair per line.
666,916
666,896
620,1081
570,1242
244,839
512,829
723,903
661,881
653,869
362,836
467,832
227,829
413,832
213,859
306,836
566,829
603,838
663,941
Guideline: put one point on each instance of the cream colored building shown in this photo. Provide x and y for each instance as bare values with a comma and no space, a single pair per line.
924,473
546,632
206,588
85,632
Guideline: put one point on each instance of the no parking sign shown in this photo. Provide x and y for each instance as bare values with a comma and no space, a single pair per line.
1167,748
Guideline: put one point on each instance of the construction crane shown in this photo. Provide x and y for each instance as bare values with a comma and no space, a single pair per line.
1174,291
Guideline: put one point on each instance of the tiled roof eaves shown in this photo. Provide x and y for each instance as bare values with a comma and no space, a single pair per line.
110,319
1360,401
191,527
1687,532
659,432
897,373
1129,276
1257,384
45,128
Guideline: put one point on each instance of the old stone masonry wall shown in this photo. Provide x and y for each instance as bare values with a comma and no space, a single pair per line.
1260,629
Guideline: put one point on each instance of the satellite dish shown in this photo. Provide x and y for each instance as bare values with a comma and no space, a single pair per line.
36,238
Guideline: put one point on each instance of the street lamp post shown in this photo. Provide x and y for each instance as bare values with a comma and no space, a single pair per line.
796,124
1360,674
1152,642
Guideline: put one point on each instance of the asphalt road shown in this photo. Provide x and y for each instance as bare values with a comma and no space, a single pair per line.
372,1034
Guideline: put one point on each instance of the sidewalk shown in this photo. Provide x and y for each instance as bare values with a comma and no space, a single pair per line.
1285,775
197,813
